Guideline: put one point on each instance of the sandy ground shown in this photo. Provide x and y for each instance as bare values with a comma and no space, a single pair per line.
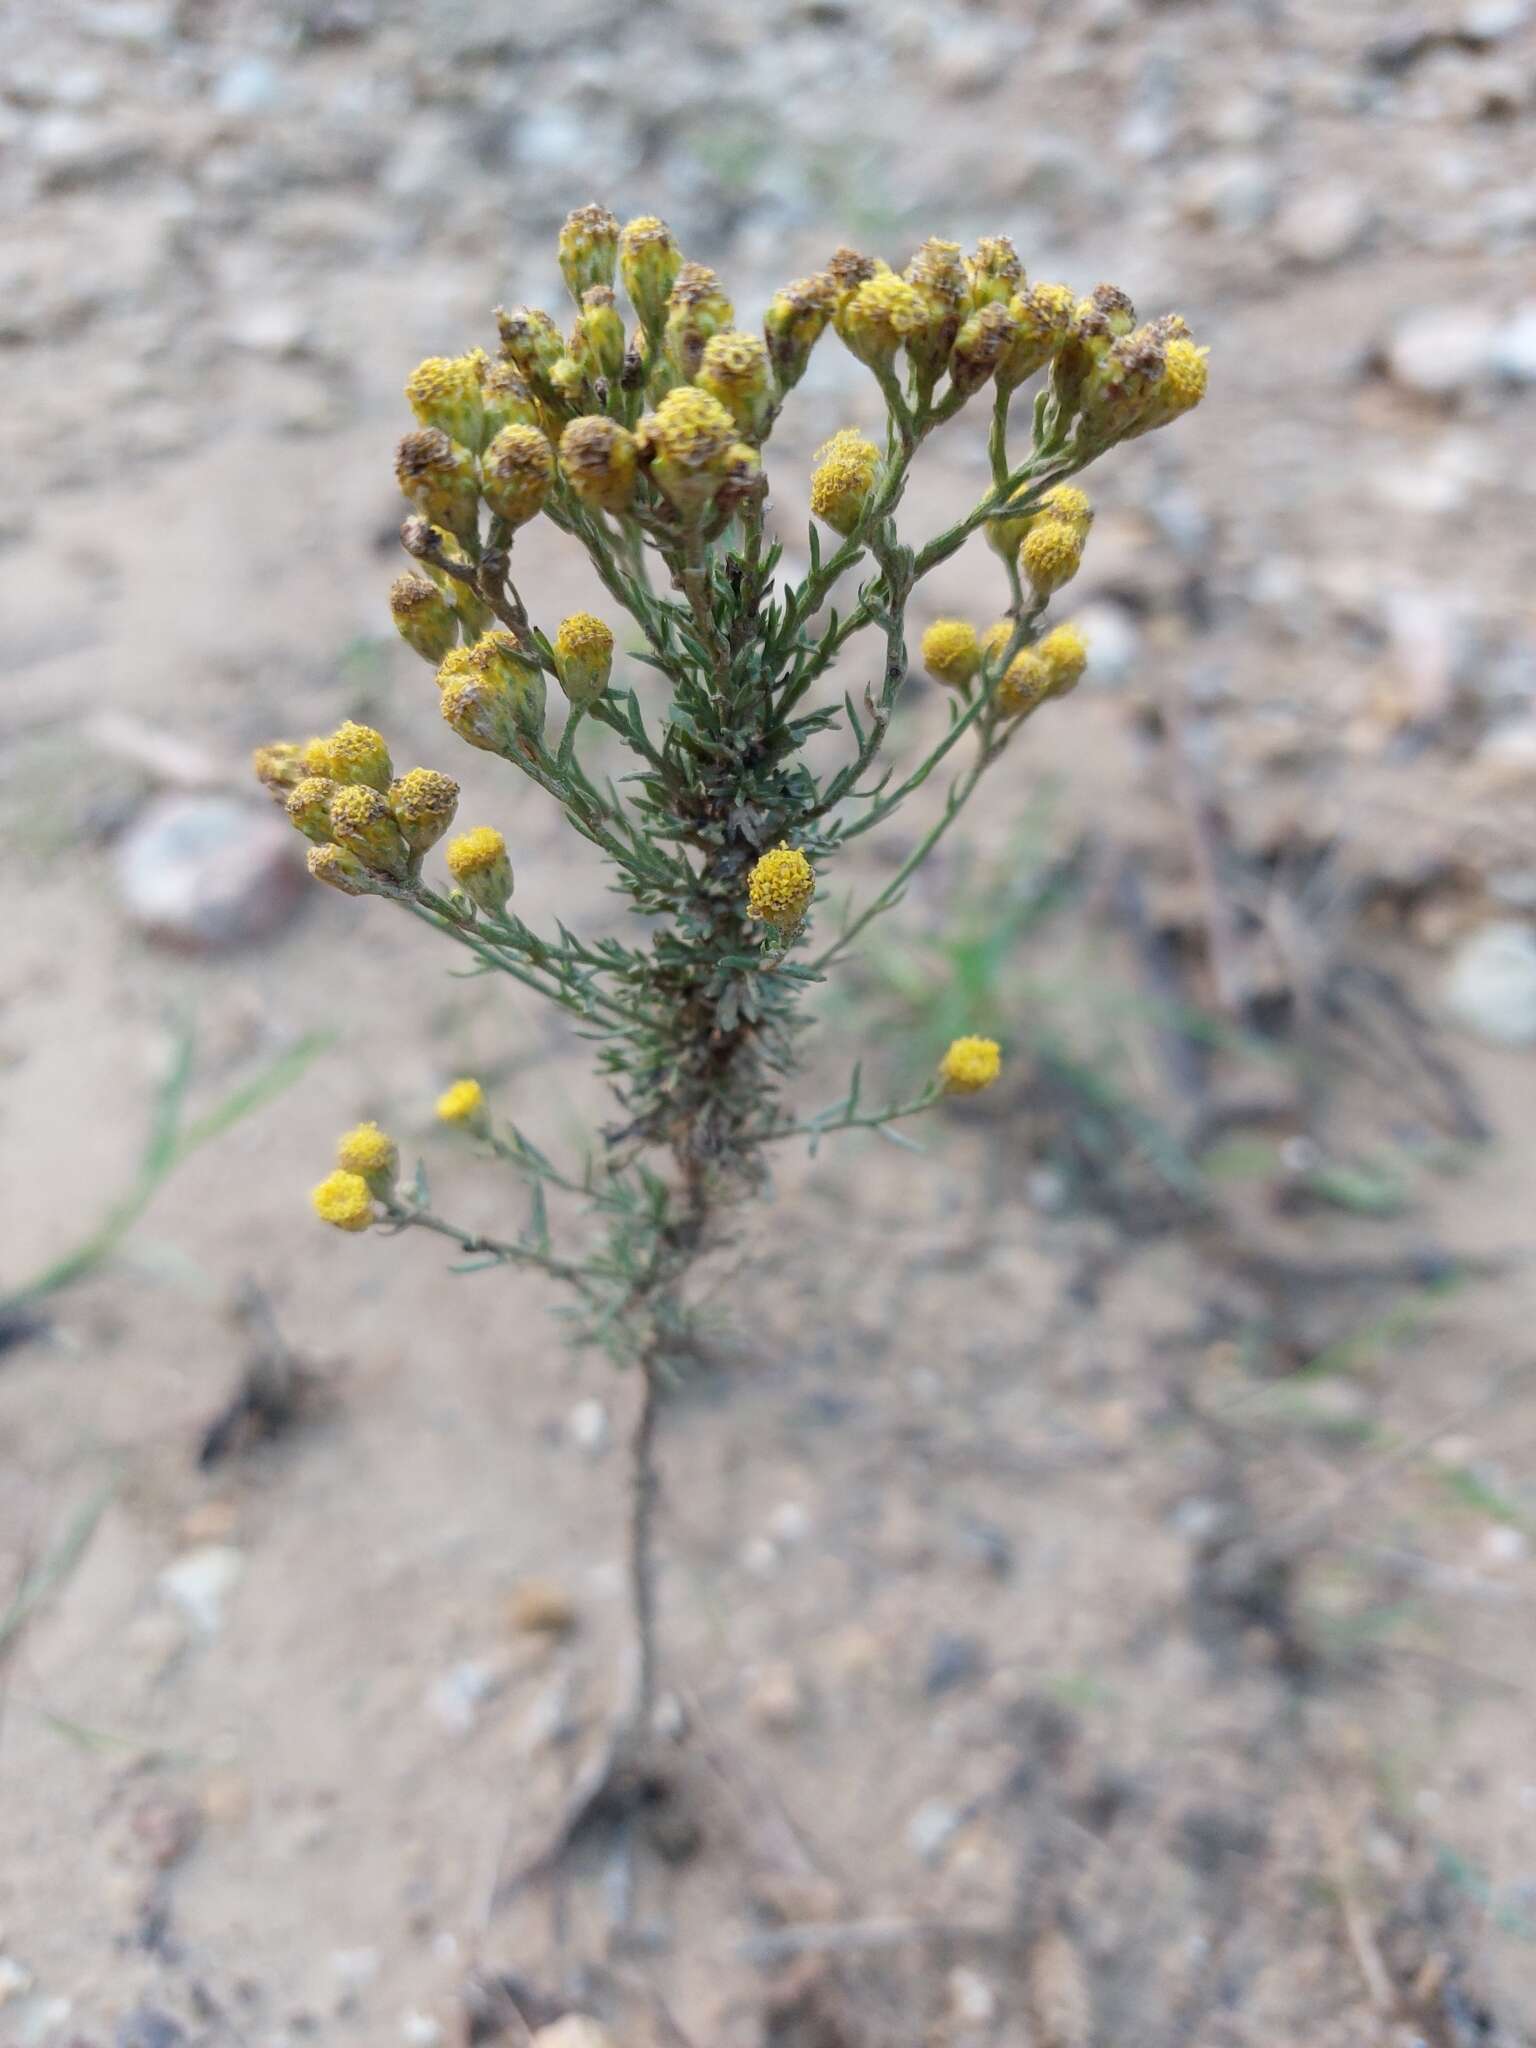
1098,1588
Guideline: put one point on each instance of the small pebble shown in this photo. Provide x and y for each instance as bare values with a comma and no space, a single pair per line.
200,1583
931,1828
588,1427
539,1607
1491,985
208,872
777,1700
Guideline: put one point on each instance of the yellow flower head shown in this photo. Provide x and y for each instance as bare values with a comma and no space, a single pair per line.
780,887
994,273
309,806
795,321
340,870
423,617
423,803
951,652
1025,683
597,460
970,1065
531,343
1051,555
363,823
735,370
984,340
1065,503
848,465
583,657
1042,316
697,309
437,476
444,392
344,1199
505,401
278,768
883,313
589,247
937,274
492,694
687,441
1064,652
597,339
649,260
516,472
352,753
370,1152
1069,503
478,862
847,270
1120,391
1182,384
463,1103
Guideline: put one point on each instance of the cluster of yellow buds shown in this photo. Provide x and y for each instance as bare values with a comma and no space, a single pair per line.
493,695
367,1169
955,654
368,827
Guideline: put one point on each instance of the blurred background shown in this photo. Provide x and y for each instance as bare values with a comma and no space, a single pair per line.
1098,1570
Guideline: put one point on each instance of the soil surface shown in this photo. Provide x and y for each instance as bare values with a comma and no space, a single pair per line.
1097,1599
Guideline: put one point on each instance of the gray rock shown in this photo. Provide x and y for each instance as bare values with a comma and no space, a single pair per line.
1233,192
1443,351
1491,985
207,872
953,1660
932,1828
248,86
1324,225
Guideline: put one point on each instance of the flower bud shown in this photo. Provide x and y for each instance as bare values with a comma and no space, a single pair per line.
309,806
1120,389
1005,534
1182,384
598,461
937,274
530,342
423,617
1025,683
969,1065
463,1103
879,316
1050,555
1042,317
352,753
951,652
994,273
994,644
437,476
341,870
343,1200
278,768
597,339
444,392
687,443
506,401
493,695
516,472
696,309
372,1155
780,887
985,339
847,270
796,318
1064,653
588,249
583,658
423,803
735,370
425,543
649,261
478,862
362,823
849,465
